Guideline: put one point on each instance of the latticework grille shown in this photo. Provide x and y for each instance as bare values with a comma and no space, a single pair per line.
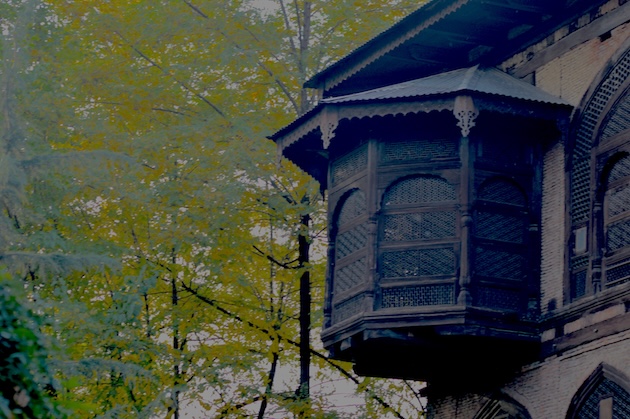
353,207
351,275
499,299
418,262
619,201
349,165
618,235
502,191
607,388
579,264
419,295
350,241
421,189
493,226
580,184
620,170
578,284
618,274
419,226
348,308
618,120
499,264
580,175
425,150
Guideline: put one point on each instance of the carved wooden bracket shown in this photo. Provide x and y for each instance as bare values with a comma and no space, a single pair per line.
466,113
329,123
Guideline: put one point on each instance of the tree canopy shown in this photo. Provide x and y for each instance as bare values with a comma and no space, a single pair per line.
154,235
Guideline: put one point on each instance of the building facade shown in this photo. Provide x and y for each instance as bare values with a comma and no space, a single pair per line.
477,161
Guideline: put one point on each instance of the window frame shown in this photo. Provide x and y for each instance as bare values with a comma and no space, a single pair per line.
608,156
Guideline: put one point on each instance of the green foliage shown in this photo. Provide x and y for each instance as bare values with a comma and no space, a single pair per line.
26,383
143,209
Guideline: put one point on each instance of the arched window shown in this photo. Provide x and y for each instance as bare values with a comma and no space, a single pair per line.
597,236
501,225
502,407
616,222
418,232
500,229
350,267
604,395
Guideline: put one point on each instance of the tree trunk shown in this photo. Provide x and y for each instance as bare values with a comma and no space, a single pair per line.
305,317
174,408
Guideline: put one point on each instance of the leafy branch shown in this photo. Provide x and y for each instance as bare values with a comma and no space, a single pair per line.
171,76
276,335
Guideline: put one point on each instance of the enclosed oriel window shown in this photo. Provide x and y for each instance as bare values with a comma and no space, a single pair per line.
350,267
434,204
418,245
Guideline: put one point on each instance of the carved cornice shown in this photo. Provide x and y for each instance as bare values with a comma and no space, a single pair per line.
370,110
327,118
465,108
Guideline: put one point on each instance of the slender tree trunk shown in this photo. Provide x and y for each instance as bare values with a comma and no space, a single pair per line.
269,386
304,241
304,50
176,373
275,340
174,408
305,317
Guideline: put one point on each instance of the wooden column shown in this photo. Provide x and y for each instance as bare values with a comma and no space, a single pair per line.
371,292
465,113
596,245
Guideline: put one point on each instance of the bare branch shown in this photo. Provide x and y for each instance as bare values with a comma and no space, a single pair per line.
271,74
285,265
287,24
171,76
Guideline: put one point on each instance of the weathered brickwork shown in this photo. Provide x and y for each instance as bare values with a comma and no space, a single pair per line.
570,75
546,388
461,406
552,229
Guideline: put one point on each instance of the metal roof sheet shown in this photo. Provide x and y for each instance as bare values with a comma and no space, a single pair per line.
472,80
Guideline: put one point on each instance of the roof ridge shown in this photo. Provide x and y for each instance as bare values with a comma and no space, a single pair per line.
467,80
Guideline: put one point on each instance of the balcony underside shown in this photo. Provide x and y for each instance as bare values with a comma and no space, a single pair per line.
462,346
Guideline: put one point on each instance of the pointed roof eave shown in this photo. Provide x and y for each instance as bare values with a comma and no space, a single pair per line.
443,35
422,95
431,12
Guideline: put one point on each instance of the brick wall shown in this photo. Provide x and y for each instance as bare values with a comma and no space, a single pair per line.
570,75
545,388
553,228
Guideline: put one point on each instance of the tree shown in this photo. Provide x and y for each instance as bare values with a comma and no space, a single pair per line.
167,103
25,376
